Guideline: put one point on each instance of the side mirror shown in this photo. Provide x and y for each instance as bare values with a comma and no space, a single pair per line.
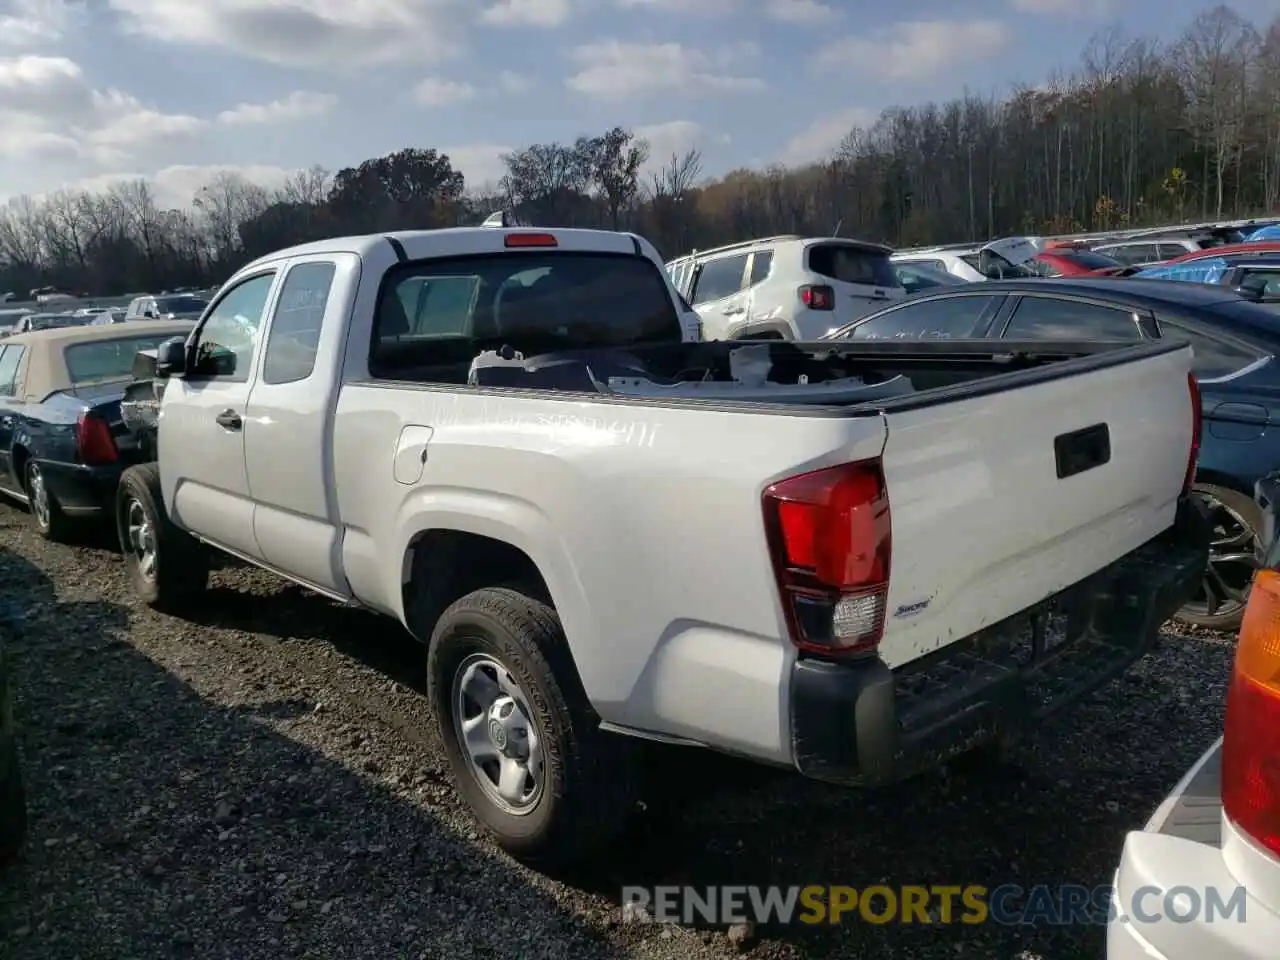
171,358
1254,288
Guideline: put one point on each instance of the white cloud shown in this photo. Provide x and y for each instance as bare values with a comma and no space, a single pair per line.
511,82
674,138
916,50
615,70
49,109
480,163
800,11
31,23
704,8
437,92
527,13
820,139
298,105
330,35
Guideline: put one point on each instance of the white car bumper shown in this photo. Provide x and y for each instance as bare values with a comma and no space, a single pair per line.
1172,869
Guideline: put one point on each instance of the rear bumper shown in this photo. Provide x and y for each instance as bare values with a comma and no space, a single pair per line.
862,723
82,491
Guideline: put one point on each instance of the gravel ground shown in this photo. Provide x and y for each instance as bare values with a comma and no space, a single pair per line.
262,783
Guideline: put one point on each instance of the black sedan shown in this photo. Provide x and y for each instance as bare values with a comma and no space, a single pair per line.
63,444
1235,341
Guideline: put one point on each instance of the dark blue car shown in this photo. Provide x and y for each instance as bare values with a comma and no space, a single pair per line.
63,444
1235,338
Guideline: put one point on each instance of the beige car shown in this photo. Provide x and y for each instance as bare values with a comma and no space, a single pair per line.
63,444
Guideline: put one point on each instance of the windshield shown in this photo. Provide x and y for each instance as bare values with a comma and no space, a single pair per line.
918,276
53,322
107,359
181,305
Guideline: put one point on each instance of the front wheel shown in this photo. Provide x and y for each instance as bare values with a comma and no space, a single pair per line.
1236,523
169,568
524,745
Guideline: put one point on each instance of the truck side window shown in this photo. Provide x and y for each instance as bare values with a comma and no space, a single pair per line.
294,336
229,334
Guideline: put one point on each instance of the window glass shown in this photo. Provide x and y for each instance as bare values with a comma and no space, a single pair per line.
229,334
1131,254
434,317
295,329
718,278
944,318
107,359
761,261
1087,259
1213,357
183,304
1270,281
851,264
1170,250
9,361
1050,318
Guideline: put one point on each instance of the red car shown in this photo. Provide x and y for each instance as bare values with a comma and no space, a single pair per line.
1070,262
1261,246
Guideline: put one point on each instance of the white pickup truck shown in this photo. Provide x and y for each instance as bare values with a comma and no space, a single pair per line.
852,560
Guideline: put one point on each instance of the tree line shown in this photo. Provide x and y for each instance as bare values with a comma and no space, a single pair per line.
1141,133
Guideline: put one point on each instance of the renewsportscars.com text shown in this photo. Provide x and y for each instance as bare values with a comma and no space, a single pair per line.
1008,904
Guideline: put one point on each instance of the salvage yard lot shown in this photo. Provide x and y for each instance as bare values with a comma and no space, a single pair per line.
259,781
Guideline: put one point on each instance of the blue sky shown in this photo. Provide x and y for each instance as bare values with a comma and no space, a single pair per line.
92,90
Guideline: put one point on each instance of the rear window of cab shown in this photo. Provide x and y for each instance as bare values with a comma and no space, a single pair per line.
434,317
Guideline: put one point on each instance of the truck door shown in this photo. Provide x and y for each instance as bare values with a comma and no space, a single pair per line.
202,461
289,417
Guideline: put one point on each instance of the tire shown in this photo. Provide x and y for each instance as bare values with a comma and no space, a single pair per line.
1226,507
13,803
177,571
51,522
588,782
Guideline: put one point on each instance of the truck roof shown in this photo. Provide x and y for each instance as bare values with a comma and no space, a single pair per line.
457,241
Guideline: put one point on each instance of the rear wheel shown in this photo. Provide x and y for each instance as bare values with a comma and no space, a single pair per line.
524,744
45,509
1236,522
168,566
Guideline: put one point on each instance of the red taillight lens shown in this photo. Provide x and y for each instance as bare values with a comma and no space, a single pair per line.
1251,740
830,536
1197,426
94,441
818,297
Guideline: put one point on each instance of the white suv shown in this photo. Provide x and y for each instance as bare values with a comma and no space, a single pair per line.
785,288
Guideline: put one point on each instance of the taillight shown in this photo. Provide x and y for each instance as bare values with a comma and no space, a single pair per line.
830,538
94,441
818,297
1197,426
1251,739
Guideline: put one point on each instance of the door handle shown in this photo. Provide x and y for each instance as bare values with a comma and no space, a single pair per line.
733,311
229,419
